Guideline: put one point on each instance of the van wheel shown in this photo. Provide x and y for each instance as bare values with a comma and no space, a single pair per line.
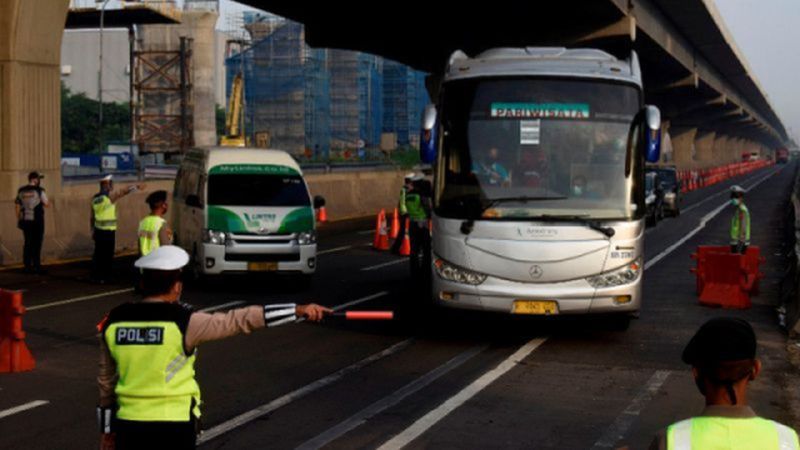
195,273
619,322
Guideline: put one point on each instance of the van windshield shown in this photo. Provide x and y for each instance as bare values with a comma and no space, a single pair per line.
256,188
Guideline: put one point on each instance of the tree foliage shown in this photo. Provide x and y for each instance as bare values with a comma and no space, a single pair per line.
80,125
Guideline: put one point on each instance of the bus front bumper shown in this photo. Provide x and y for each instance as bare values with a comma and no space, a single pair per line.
571,297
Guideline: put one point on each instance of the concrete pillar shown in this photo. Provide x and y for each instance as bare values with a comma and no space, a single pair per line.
719,150
683,147
667,152
30,96
199,26
704,143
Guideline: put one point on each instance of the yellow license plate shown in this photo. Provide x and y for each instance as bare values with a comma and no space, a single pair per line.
262,266
542,307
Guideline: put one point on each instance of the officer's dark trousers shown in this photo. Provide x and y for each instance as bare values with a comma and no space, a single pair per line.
133,435
420,250
103,258
400,235
32,251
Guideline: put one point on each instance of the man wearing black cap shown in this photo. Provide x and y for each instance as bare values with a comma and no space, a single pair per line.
29,205
723,358
154,231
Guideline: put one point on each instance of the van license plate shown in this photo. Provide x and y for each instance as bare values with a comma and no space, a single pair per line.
262,266
542,307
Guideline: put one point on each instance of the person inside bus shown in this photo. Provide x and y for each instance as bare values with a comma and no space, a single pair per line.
581,189
534,168
491,171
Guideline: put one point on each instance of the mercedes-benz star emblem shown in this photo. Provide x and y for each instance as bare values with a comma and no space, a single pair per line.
536,272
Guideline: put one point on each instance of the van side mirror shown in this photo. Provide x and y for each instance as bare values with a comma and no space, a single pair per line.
652,129
319,201
428,141
193,201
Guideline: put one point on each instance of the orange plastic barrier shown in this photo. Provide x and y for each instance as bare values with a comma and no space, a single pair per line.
727,279
14,353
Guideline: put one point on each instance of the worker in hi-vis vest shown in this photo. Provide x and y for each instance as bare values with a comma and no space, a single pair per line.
402,212
149,397
723,358
104,226
154,231
740,222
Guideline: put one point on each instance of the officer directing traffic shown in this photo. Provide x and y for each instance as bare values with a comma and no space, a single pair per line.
104,226
149,397
154,231
740,222
723,358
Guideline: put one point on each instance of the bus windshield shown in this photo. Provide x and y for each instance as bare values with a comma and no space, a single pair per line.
528,148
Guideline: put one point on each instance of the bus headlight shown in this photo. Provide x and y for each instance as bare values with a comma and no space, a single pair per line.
307,237
457,274
617,277
215,237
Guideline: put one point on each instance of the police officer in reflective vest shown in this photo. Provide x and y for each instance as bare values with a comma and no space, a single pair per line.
740,222
149,397
418,207
154,230
723,358
104,226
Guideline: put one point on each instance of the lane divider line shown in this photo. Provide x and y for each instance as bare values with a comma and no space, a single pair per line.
256,413
625,420
79,299
724,191
18,409
386,264
387,402
703,222
436,415
360,300
335,249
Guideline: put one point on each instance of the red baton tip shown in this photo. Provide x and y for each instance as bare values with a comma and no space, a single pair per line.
369,315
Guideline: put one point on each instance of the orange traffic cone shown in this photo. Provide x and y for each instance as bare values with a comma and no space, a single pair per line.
378,225
383,235
322,215
405,248
395,230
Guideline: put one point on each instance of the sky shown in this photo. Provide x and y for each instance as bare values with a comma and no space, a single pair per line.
768,34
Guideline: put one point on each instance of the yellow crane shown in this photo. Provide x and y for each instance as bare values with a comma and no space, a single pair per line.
234,123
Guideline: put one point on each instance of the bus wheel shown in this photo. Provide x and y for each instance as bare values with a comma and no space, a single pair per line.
619,322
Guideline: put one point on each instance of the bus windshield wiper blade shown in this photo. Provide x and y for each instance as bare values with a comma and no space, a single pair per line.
582,218
521,199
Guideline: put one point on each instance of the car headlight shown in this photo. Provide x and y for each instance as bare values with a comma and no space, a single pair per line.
307,237
457,274
215,237
617,277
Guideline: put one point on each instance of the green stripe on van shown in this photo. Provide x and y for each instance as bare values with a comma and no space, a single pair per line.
298,221
252,169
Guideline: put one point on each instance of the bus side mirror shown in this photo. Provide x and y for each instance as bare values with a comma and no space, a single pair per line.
652,129
319,201
428,141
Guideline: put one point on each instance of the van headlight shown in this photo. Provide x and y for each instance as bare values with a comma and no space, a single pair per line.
617,277
215,237
307,237
457,274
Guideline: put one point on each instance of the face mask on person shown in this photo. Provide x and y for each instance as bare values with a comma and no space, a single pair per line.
735,201
577,190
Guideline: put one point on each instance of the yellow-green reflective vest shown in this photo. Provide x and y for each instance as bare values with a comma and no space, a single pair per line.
149,228
156,375
105,212
726,433
741,218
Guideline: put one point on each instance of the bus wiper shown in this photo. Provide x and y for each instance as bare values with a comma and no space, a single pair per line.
521,199
582,218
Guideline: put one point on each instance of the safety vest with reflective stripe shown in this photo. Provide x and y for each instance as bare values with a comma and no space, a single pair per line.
156,375
414,207
149,229
105,212
741,218
726,433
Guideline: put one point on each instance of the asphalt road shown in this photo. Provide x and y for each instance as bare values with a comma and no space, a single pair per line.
428,379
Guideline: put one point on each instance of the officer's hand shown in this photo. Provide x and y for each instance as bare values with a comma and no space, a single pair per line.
312,312
107,441
141,186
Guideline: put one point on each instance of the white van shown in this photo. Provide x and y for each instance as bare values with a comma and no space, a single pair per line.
244,210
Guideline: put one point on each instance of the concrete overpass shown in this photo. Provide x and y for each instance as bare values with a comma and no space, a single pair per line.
714,107
712,103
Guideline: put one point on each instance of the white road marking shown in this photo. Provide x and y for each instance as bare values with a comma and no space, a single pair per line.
703,222
249,416
334,250
365,232
361,300
386,264
433,417
223,306
623,422
79,299
722,192
18,409
387,402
